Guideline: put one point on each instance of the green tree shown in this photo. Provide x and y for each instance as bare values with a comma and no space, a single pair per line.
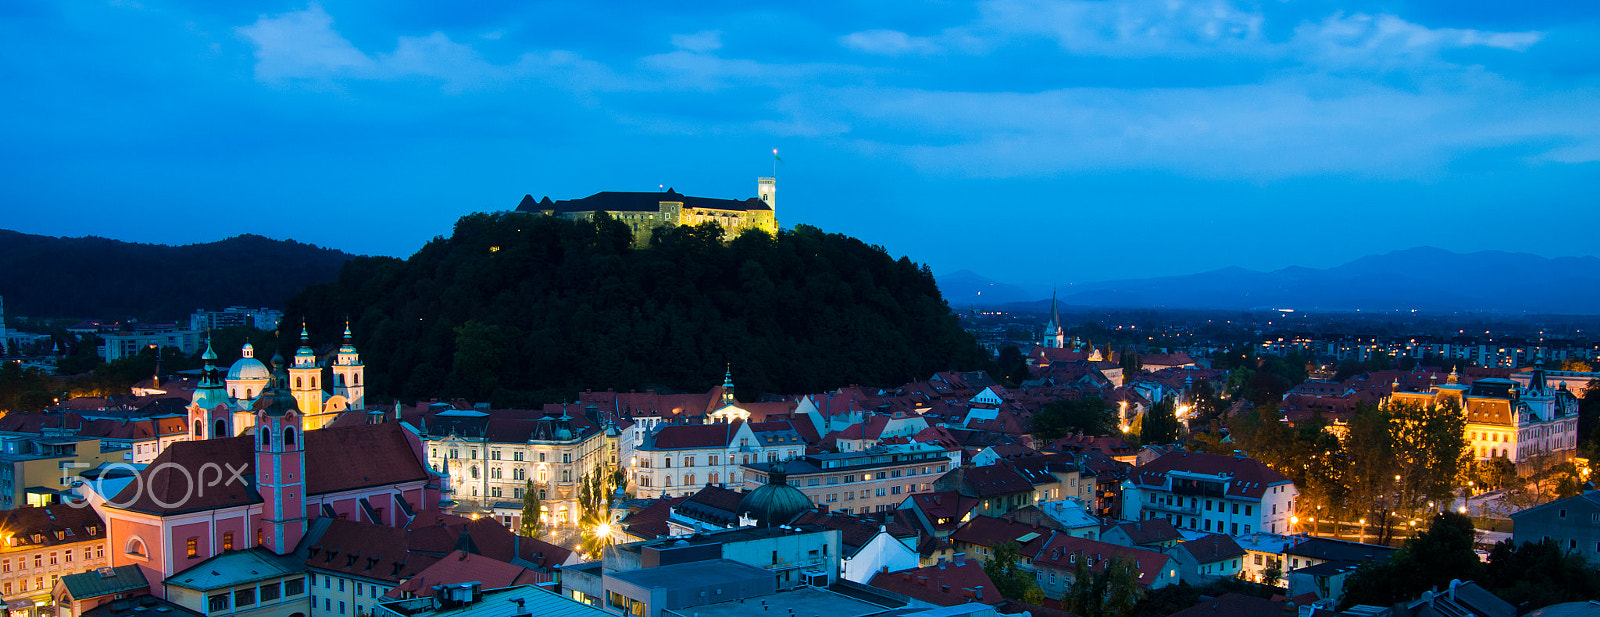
1013,366
1012,582
1160,425
1430,560
1089,416
1532,575
532,523
1428,444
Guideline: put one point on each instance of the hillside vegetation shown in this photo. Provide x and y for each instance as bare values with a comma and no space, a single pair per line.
517,308
90,277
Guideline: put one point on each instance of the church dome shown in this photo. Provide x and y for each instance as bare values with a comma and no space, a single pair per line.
775,503
248,368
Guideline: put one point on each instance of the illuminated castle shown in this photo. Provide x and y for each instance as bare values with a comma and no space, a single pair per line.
644,212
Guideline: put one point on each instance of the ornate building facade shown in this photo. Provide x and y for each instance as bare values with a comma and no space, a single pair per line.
644,212
1504,420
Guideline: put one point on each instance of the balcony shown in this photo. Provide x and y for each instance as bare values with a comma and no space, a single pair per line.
1180,509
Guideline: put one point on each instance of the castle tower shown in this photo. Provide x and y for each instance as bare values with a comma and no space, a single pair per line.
210,415
280,465
767,188
306,377
1054,335
727,387
347,373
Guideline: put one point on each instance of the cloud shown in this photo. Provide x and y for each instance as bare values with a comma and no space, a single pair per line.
703,41
889,43
302,44
1363,39
1127,28
1285,128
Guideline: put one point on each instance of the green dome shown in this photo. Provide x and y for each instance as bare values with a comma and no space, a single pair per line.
775,503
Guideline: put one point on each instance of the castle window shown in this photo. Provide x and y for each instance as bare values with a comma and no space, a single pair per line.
197,429
266,436
288,436
221,429
297,383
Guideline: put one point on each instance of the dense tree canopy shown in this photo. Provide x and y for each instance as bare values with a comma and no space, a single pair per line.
102,278
518,308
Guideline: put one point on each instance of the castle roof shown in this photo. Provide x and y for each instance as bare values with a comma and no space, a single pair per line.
628,201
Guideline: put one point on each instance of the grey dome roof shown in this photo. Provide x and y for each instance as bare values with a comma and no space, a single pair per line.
248,368
775,503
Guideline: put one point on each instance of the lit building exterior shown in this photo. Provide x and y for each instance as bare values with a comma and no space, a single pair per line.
222,406
1233,495
875,480
677,459
209,497
1504,420
35,471
490,457
40,545
645,212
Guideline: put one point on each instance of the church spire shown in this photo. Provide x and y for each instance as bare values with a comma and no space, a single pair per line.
727,385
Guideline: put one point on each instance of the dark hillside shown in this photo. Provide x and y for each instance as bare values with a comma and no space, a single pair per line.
518,308
93,277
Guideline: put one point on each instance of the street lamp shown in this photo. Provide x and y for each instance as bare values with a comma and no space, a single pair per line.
1363,539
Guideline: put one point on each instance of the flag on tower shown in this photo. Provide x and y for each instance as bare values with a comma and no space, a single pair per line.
775,156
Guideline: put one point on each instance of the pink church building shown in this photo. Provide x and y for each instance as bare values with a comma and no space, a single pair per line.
201,498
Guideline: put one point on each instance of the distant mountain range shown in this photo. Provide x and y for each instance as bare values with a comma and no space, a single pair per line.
1425,279
92,277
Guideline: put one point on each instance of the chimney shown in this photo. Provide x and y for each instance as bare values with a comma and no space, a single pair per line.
978,591
922,580
959,558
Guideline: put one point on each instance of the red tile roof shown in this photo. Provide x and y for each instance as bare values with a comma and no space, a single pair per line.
1213,548
1249,477
459,567
1064,550
943,585
693,436
337,459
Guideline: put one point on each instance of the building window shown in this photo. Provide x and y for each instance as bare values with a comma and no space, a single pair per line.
294,587
227,541
269,591
218,603
244,597
191,548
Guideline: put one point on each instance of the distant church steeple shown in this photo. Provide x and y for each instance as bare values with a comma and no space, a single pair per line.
1054,335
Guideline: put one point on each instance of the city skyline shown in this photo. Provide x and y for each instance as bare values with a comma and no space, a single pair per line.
1180,137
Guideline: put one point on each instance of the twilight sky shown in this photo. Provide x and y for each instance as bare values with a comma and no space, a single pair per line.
1033,142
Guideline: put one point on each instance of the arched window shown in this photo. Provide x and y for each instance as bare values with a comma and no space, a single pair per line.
266,436
221,430
667,481
339,379
288,436
711,477
474,472
297,383
197,429
688,480
135,547
358,379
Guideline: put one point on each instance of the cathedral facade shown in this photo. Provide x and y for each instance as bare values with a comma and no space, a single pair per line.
222,406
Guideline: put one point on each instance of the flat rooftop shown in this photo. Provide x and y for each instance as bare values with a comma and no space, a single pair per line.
805,601
701,573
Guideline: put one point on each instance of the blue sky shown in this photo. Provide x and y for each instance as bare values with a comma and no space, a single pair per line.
1033,142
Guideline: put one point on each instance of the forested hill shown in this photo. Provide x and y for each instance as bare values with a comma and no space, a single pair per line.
90,277
517,308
